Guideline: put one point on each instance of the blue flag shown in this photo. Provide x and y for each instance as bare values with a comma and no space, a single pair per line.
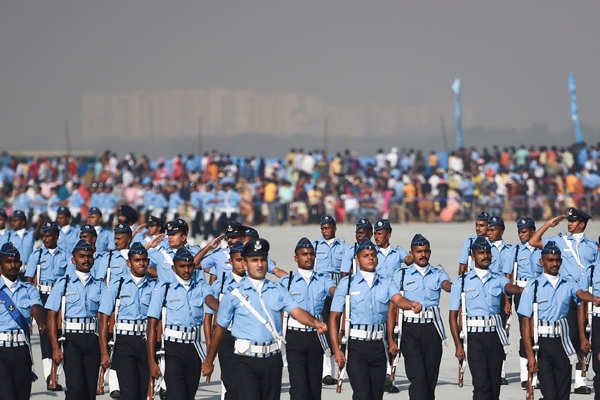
457,112
574,116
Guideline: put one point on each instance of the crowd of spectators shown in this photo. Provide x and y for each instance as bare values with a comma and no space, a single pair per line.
403,185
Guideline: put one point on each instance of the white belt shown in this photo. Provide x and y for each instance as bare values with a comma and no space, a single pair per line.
293,323
45,289
549,330
481,323
247,347
426,314
521,282
187,336
366,335
81,326
131,327
13,337
596,311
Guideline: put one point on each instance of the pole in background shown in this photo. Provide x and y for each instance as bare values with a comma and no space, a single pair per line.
574,115
457,112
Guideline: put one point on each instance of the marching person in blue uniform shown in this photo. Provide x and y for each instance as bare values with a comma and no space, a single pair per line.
370,295
81,354
154,227
184,299
22,200
220,287
304,347
524,257
129,358
553,292
76,202
68,235
363,230
422,333
228,203
5,233
113,263
20,236
175,201
481,225
218,262
103,235
389,259
254,311
486,336
46,266
208,201
19,302
578,253
157,204
127,215
95,194
108,203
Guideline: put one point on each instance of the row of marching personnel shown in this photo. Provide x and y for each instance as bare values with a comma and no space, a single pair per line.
141,310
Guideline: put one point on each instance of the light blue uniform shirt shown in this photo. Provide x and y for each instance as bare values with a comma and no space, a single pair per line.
527,257
586,250
157,201
422,288
96,200
80,301
175,200
148,197
25,296
388,265
134,299
498,256
228,199
23,241
368,305
164,268
218,262
228,285
184,308
483,298
329,258
39,198
68,237
553,303
52,266
196,199
207,198
309,296
245,325
109,201
76,200
465,250
348,257
22,202
103,238
5,235
118,265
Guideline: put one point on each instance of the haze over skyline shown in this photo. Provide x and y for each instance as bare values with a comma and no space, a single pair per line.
513,57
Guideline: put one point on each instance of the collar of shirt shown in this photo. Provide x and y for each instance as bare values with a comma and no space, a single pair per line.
187,284
499,244
360,277
527,246
65,229
3,231
369,277
305,274
236,277
12,286
421,270
84,277
139,281
20,233
553,279
385,251
578,236
124,253
329,241
98,228
257,283
52,251
482,274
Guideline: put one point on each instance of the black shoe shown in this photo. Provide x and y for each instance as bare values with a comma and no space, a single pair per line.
503,381
523,384
162,394
57,388
388,385
115,394
583,390
328,380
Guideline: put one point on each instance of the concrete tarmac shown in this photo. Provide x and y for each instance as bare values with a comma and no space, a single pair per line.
446,241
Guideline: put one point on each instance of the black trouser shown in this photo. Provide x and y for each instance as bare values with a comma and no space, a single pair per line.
130,360
258,378
15,373
226,365
421,346
595,351
182,370
574,333
45,344
208,229
366,369
485,355
81,364
554,367
305,365
197,223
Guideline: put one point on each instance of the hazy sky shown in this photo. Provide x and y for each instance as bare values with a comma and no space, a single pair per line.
513,55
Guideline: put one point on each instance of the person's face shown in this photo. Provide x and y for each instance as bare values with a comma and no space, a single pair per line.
482,258
50,239
256,266
2,222
122,240
305,258
382,238
10,266
154,230
94,219
551,263
83,260
63,220
575,226
367,259
184,269
328,231
89,237
495,232
17,223
363,233
481,228
177,239
237,264
525,234
421,254
232,240
138,263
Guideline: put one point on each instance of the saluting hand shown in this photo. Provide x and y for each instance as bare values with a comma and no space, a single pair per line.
340,359
556,220
155,241
207,368
213,244
416,307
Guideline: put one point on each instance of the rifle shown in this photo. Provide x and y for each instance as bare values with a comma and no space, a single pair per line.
52,379
37,270
101,371
535,347
470,258
215,317
399,324
353,269
160,354
590,309
316,245
286,316
463,329
345,335
112,343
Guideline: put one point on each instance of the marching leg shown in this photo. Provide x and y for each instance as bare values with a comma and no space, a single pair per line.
314,365
298,366
595,352
271,377
358,370
248,378
376,368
